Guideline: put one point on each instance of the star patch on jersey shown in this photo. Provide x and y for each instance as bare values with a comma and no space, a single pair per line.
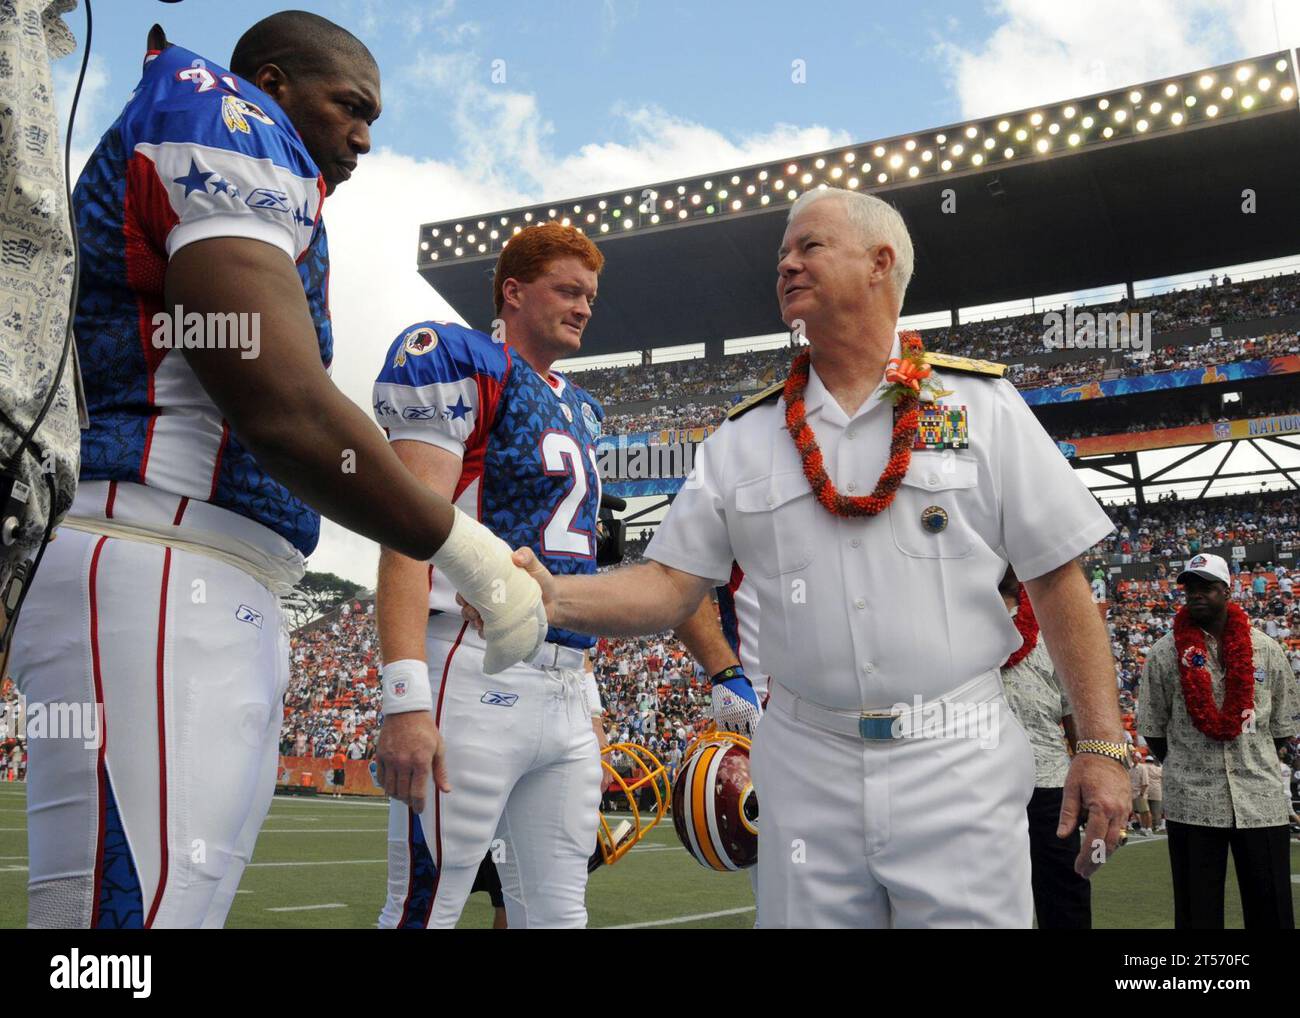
419,341
940,427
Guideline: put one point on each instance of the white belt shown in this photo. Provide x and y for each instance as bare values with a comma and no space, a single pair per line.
553,655
878,725
145,514
445,625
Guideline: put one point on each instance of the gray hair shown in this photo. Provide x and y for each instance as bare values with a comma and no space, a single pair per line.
877,222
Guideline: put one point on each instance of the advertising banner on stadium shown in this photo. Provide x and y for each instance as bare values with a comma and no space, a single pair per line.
648,462
314,775
1208,375
1192,434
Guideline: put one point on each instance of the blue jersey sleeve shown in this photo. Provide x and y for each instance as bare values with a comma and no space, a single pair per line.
210,155
441,384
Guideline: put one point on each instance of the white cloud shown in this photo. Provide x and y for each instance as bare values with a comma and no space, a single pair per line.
92,106
1046,51
373,220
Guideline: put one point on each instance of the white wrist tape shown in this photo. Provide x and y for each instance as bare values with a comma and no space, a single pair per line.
406,687
592,693
478,564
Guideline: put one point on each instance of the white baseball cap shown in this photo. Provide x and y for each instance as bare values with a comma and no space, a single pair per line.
1207,567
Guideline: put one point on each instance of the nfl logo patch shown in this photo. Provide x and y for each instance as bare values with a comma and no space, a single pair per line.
568,414
399,687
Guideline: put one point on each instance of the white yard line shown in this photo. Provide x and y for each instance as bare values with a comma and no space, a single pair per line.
677,920
307,908
317,862
325,830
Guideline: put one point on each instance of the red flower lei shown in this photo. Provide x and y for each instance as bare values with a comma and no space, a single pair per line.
1239,678
1026,626
905,373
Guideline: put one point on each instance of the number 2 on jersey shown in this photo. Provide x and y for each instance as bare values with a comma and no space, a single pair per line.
561,456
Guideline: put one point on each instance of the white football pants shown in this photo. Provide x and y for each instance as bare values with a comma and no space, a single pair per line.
524,766
151,821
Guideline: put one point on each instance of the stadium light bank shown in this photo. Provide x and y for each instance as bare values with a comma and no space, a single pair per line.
1179,103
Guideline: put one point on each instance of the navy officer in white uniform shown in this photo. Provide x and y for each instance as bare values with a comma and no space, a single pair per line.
879,601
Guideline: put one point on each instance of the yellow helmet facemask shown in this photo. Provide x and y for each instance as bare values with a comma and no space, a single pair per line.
615,843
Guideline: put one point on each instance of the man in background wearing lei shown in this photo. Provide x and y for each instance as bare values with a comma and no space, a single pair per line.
1217,699
876,540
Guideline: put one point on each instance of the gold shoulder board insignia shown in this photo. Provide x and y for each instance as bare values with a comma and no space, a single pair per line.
965,365
748,403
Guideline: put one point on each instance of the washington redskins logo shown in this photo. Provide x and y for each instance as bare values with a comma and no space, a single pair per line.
420,341
236,113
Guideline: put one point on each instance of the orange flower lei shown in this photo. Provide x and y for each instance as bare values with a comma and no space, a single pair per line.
905,373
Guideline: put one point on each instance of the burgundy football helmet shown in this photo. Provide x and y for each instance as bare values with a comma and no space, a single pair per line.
715,810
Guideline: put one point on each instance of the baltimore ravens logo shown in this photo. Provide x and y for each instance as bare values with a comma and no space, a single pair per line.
589,418
236,113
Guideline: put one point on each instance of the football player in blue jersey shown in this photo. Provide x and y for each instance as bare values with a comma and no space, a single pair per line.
203,473
468,757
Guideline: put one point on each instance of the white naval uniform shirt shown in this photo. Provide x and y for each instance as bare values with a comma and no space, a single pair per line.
866,612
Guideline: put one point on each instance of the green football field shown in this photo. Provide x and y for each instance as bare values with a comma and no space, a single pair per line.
320,863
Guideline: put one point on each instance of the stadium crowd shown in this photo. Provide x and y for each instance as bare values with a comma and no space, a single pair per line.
1169,358
333,700
1007,340
1096,421
1176,529
1222,301
686,415
634,382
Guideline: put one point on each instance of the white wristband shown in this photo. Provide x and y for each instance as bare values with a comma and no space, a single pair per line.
406,687
592,693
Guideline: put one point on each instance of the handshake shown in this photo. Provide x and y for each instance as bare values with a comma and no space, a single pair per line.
503,593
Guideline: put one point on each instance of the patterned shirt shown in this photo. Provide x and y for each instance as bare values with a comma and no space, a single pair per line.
1036,699
35,262
1213,783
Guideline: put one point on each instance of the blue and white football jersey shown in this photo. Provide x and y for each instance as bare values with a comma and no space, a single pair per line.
527,445
196,153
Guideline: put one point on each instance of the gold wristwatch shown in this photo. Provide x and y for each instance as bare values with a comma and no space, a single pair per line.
1116,751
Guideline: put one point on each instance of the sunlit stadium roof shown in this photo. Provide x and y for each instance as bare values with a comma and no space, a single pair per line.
1133,183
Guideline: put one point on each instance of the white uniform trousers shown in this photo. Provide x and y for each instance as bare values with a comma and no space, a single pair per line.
524,767
151,822
921,832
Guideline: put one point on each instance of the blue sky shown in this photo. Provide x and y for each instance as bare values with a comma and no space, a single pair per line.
594,63
605,95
